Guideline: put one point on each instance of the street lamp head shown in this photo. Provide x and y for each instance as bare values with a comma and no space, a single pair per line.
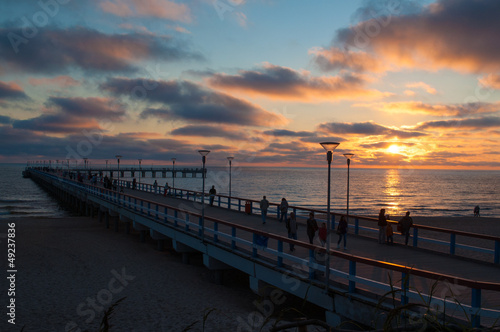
329,146
230,158
173,160
203,152
139,160
118,156
349,155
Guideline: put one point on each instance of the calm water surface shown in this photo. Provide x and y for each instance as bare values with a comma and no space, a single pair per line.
424,192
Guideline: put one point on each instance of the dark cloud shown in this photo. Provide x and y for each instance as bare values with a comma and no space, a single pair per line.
285,83
191,102
288,133
472,124
5,119
52,50
210,131
11,91
100,108
366,128
70,115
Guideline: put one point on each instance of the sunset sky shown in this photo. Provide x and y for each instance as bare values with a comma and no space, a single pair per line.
397,83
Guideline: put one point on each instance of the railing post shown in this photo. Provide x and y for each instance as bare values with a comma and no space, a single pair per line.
200,227
229,203
157,217
405,282
497,252
278,212
280,250
452,243
233,235
311,263
175,218
254,241
142,205
135,204
149,209
187,222
218,203
239,204
415,237
476,306
356,226
165,213
352,273
216,230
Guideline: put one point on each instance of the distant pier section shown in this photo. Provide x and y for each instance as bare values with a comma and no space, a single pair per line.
143,172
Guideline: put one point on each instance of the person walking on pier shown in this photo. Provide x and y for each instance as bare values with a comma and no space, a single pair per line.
382,224
406,223
166,189
212,192
342,232
155,187
312,227
291,226
283,209
264,205
389,232
134,184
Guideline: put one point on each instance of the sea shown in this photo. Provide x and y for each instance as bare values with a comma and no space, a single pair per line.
450,193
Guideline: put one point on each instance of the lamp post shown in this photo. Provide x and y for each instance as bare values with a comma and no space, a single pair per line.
140,171
348,156
202,226
173,174
230,162
107,173
118,158
329,147
85,163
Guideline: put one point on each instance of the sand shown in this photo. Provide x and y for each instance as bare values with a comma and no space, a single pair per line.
70,270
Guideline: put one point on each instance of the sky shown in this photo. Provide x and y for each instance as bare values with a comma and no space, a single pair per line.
404,84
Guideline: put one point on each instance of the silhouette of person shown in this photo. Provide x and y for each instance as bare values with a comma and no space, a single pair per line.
264,205
212,192
382,224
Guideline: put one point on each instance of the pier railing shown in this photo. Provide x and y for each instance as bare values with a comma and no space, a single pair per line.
443,240
268,249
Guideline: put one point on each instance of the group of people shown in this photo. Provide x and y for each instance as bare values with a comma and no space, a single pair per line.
386,232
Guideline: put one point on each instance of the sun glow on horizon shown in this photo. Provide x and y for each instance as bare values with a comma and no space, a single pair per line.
394,148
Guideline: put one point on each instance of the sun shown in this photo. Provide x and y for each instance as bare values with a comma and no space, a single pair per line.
394,148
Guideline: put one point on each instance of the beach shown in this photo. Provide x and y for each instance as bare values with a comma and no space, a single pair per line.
70,270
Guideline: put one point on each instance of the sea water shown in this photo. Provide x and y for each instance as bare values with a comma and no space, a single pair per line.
423,192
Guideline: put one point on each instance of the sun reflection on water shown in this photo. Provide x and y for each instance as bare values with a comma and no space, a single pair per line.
392,191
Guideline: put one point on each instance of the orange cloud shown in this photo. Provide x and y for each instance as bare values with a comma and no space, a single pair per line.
336,59
491,81
434,109
61,81
429,89
460,34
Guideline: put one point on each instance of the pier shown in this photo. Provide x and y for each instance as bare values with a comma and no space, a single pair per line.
365,284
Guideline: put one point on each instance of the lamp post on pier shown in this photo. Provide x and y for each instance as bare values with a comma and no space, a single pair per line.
85,163
230,162
173,175
118,157
140,171
107,173
349,157
204,154
329,147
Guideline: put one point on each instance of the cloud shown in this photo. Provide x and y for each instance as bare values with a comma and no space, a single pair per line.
11,91
417,107
164,9
210,132
426,87
60,81
491,81
188,101
469,124
56,50
285,83
5,119
334,59
70,115
457,34
288,133
367,129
